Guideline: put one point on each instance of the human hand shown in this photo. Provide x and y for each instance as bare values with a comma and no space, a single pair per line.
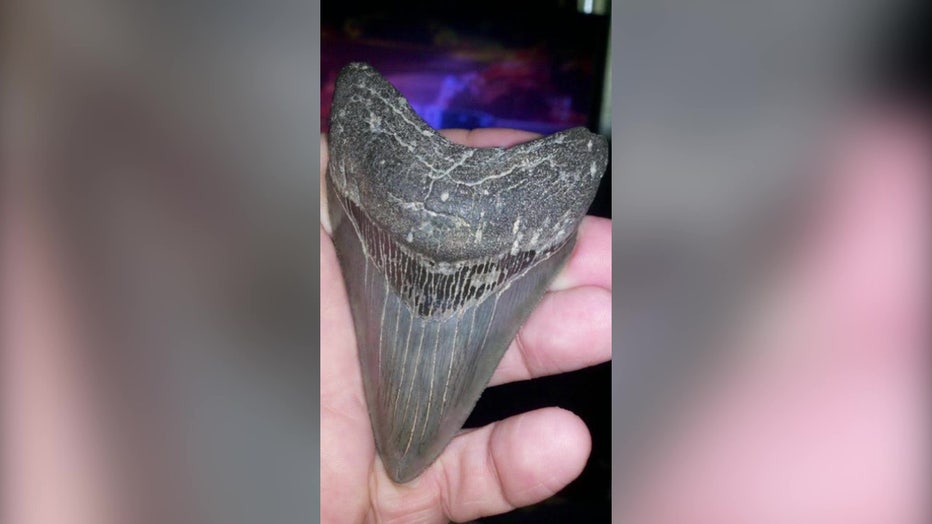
489,470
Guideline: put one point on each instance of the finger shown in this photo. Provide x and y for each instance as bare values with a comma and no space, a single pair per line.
494,469
513,463
489,137
591,262
569,330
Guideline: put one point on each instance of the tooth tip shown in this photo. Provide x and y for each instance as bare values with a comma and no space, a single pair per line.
401,466
403,470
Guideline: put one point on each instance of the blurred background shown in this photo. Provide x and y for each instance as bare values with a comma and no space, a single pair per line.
469,65
160,264
731,120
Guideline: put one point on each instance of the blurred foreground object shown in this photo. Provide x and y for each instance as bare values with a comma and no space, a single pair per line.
160,287
728,136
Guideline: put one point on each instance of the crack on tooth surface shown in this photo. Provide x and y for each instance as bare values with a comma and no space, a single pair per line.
422,208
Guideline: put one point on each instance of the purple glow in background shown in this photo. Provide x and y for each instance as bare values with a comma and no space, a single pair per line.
479,85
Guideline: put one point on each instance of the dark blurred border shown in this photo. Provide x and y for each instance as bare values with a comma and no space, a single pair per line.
165,157
718,111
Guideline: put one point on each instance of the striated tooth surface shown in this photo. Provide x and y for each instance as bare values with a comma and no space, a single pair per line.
444,250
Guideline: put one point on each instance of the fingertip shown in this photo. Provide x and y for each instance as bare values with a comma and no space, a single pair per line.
539,453
512,463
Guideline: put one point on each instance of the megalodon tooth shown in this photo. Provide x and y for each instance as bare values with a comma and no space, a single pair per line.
445,250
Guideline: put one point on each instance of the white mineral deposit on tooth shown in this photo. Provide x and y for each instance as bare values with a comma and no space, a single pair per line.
445,250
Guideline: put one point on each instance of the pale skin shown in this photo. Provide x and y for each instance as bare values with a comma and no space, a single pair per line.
489,470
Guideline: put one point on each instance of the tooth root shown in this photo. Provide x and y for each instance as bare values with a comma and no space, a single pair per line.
445,250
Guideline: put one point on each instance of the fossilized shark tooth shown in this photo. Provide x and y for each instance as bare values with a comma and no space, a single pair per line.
444,250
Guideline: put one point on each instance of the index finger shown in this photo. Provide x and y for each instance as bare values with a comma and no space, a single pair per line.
488,137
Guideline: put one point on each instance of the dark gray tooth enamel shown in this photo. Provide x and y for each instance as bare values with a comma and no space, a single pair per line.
444,250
